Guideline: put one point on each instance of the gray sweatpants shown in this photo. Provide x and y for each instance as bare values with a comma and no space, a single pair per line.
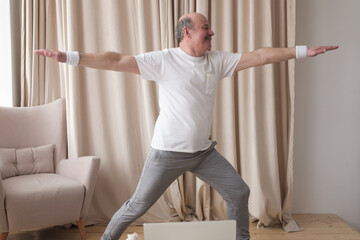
163,167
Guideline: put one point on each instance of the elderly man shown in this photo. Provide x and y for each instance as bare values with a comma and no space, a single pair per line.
188,77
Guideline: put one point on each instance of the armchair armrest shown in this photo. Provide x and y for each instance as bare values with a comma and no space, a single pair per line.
3,217
83,170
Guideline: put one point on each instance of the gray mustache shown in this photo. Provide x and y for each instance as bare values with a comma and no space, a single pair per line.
208,37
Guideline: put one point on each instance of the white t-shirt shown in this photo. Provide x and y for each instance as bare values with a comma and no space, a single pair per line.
187,89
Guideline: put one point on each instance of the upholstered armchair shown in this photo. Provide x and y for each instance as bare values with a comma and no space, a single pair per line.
39,187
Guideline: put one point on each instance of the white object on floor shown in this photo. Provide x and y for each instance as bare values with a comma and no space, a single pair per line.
133,236
206,230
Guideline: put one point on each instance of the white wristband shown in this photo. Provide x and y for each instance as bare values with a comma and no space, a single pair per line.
301,52
72,58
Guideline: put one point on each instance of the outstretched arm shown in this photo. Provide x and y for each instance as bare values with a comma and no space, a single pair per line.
264,56
105,61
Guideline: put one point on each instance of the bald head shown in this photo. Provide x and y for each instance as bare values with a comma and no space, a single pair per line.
192,16
194,34
187,20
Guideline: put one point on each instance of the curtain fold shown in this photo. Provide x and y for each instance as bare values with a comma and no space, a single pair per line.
112,115
36,17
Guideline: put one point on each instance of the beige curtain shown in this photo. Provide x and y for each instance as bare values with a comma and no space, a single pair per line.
112,115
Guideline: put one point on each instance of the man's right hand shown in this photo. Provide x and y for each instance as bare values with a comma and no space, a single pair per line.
57,55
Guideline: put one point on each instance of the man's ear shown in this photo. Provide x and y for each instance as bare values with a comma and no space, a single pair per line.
186,32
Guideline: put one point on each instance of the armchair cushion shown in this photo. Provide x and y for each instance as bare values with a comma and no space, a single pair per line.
41,200
15,162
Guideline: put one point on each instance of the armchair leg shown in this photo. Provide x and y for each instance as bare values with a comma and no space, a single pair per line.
4,235
81,227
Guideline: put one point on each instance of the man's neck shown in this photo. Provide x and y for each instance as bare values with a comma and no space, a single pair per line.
190,51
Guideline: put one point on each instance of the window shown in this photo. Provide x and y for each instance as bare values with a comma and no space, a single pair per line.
5,56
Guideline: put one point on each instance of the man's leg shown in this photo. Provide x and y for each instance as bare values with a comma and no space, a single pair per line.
158,173
219,173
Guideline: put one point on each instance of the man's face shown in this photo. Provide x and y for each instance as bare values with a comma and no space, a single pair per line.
201,34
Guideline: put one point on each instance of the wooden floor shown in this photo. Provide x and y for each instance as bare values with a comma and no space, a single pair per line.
316,227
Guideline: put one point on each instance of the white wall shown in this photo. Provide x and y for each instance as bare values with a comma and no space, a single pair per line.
5,56
327,111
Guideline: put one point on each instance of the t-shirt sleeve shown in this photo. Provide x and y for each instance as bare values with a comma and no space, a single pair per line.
150,65
228,63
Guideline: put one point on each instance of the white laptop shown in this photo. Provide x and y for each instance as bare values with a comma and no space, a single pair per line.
206,230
